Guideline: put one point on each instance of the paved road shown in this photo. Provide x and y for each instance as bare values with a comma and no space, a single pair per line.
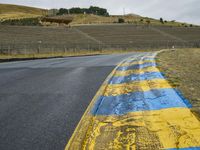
41,101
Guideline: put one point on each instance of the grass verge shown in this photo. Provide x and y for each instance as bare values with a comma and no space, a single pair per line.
182,69
66,54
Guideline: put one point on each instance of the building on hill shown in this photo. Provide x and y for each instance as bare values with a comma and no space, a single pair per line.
52,12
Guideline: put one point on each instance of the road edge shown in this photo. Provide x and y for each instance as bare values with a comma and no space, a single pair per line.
98,93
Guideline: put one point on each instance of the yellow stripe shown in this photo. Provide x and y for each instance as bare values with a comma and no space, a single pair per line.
161,129
125,88
136,71
138,62
149,57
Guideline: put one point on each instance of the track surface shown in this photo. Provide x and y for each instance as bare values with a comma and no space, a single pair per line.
41,101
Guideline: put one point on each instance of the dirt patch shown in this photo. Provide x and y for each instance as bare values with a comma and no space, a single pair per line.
182,68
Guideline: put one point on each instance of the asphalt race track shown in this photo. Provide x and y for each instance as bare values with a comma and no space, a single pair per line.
41,101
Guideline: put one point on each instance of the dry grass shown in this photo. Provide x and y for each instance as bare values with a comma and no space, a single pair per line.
133,19
94,19
45,55
182,69
8,11
17,16
79,53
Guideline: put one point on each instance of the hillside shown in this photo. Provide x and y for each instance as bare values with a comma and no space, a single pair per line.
94,19
81,19
8,11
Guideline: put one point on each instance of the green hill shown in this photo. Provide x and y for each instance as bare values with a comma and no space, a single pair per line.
9,11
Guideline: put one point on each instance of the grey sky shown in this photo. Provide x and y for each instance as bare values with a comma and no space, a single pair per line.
180,10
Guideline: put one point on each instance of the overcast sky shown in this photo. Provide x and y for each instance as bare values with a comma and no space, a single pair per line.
180,10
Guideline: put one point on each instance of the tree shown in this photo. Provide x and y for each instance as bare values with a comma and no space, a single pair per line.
98,11
76,10
62,11
161,20
92,10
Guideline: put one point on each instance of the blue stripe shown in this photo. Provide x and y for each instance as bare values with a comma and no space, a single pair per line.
137,66
138,101
136,77
186,101
190,148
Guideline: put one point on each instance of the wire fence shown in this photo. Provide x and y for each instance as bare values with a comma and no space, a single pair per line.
42,48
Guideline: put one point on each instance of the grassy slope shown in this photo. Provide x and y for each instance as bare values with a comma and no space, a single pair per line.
133,19
8,11
88,19
182,69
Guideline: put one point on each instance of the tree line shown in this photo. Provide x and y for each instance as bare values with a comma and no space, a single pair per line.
77,10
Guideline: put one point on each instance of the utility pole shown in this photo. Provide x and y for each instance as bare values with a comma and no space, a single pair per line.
124,11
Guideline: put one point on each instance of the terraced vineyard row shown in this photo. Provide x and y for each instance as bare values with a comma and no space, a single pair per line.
20,40
144,37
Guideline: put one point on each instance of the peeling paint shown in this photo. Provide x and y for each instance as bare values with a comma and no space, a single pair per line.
136,108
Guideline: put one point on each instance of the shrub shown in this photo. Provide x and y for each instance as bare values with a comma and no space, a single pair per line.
161,20
22,22
121,20
148,21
